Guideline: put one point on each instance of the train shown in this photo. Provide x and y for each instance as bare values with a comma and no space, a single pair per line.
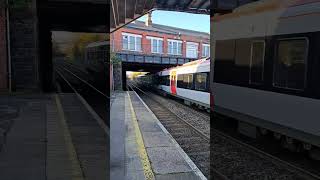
266,64
189,82
97,53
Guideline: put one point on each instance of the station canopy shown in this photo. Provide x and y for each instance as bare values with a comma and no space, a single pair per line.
124,11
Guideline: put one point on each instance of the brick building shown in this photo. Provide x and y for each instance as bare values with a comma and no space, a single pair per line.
146,38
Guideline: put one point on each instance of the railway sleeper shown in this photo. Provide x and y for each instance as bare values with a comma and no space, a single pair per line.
286,142
314,153
188,103
291,144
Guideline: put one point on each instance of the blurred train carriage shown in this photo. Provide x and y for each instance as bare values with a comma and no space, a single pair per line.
267,70
148,81
97,52
97,57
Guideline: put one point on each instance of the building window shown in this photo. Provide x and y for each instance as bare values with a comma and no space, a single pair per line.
290,64
201,81
205,50
174,47
192,50
156,44
257,62
131,42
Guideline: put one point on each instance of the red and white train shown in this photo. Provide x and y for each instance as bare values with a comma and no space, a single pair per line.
267,70
189,82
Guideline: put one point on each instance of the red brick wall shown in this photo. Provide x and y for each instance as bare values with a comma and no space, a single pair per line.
3,51
116,41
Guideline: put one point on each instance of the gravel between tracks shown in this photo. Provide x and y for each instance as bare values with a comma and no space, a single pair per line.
199,120
231,159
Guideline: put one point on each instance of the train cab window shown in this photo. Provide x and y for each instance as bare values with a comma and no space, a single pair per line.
164,80
167,80
290,64
201,81
257,62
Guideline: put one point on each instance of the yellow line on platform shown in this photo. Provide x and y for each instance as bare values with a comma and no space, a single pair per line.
148,173
75,165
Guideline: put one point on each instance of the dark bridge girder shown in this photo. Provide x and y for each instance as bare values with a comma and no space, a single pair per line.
66,15
124,11
152,68
80,16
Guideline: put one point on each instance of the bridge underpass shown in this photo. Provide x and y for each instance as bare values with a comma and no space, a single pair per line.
139,67
89,17
29,26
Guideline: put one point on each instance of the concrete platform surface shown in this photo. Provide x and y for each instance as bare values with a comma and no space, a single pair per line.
51,137
147,151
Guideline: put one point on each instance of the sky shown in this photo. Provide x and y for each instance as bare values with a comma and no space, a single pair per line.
197,22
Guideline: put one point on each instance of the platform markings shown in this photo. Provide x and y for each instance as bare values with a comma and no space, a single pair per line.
77,173
148,173
181,151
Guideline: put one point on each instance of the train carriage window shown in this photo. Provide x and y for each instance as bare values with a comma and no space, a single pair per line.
188,80
290,64
257,62
185,81
180,83
201,81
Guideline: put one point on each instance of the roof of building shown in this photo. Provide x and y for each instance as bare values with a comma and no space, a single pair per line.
166,29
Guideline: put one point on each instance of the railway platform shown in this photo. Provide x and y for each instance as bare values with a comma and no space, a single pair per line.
50,137
140,147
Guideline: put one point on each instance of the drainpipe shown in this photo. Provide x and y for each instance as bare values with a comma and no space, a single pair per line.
8,47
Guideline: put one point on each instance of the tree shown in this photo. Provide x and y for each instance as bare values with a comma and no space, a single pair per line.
77,49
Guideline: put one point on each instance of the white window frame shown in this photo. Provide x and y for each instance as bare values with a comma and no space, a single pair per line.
135,40
177,41
197,51
251,58
205,45
305,59
151,38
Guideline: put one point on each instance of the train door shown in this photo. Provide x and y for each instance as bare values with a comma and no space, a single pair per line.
173,82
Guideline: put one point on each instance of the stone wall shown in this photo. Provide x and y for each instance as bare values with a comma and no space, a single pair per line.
117,76
24,48
3,51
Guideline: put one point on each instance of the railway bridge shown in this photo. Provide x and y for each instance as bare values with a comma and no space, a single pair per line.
26,62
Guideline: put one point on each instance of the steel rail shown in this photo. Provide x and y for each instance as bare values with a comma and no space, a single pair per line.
215,173
293,168
180,118
88,84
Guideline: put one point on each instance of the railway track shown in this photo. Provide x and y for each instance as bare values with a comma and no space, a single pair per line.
73,82
195,143
232,158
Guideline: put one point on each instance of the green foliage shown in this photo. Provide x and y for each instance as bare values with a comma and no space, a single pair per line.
77,49
114,59
19,4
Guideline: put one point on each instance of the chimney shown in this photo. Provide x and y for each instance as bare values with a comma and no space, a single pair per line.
148,20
